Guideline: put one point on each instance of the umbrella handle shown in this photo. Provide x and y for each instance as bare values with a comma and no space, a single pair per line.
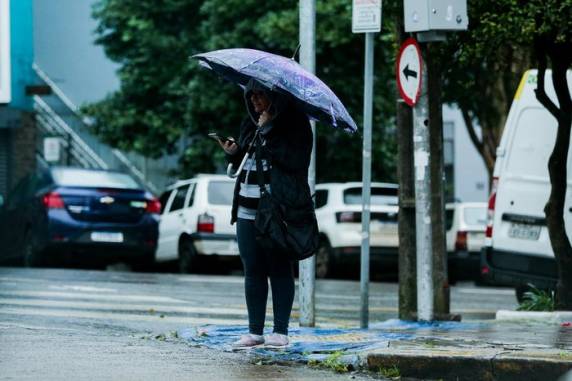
235,174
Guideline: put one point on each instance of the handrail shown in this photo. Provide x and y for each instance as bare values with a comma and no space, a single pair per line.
75,110
61,124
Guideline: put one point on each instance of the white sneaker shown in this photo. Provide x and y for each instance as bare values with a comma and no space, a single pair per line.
276,340
248,341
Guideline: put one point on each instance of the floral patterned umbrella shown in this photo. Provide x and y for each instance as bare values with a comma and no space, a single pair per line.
280,74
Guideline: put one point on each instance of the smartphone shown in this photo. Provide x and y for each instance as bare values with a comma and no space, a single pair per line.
217,137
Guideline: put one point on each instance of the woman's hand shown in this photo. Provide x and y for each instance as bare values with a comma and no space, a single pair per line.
264,118
230,147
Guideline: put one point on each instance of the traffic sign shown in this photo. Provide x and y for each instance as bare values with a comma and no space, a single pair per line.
408,71
366,16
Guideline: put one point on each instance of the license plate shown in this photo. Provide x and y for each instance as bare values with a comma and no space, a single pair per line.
107,237
524,231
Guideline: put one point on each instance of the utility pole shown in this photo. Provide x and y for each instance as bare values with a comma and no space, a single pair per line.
430,21
307,267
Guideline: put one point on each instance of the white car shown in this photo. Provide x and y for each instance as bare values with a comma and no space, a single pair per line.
465,224
338,210
195,221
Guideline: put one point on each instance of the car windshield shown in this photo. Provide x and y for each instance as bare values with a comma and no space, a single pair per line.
73,177
221,192
475,216
379,196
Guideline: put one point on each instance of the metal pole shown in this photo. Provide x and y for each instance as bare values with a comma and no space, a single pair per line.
366,179
425,302
307,267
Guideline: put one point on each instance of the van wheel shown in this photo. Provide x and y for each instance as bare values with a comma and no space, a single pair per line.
324,260
187,256
519,292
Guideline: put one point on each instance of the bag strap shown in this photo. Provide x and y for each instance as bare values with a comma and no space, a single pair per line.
259,165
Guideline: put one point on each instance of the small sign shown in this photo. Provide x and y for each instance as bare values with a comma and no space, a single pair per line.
408,71
52,149
366,16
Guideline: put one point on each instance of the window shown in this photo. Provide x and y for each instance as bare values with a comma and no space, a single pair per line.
77,177
449,214
179,199
321,198
220,192
192,195
164,199
379,196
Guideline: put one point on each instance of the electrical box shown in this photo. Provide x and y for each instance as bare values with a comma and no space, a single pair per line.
435,15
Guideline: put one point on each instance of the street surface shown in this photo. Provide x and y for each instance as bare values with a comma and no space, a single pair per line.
57,324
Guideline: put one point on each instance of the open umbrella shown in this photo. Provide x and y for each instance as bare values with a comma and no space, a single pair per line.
280,74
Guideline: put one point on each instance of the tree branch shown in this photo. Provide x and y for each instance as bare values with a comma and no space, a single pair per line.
471,130
540,86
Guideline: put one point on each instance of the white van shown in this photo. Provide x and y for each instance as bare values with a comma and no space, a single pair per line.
517,247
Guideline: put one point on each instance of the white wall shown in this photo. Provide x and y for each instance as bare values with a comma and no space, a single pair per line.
64,50
471,178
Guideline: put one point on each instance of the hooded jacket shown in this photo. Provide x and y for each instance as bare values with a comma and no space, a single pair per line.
288,148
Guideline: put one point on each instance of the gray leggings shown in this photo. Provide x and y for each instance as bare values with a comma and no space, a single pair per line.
259,265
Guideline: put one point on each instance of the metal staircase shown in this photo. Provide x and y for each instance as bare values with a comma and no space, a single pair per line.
57,116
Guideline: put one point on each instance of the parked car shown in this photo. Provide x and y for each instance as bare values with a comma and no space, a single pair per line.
195,221
62,215
465,225
338,210
518,250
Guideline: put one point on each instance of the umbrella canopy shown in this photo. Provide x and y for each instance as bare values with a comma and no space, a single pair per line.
280,74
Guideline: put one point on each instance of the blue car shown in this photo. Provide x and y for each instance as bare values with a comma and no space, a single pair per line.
63,215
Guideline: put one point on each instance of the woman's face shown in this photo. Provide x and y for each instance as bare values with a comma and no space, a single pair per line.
260,101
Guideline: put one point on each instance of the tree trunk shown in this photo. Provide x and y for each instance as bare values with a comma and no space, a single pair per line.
441,289
557,166
406,217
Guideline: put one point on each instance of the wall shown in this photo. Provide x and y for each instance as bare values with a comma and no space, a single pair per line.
470,174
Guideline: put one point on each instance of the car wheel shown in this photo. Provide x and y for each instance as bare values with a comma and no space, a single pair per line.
187,256
324,260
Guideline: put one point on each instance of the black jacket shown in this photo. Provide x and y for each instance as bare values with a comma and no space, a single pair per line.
288,148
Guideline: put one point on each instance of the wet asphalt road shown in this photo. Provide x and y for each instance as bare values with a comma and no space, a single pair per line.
58,324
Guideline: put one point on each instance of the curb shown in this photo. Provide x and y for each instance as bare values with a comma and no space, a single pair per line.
483,365
545,317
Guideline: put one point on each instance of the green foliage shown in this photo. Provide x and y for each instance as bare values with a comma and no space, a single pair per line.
333,362
390,372
165,96
537,300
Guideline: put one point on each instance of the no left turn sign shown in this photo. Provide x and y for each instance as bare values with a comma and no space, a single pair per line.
408,71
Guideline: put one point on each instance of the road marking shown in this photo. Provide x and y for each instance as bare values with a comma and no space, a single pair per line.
486,291
148,309
82,288
106,297
69,314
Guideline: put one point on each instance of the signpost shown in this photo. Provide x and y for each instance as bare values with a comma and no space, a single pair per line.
366,18
411,79
307,267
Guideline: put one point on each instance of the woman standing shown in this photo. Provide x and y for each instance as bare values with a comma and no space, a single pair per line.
285,137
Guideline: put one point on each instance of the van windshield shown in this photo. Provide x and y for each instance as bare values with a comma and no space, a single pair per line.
532,144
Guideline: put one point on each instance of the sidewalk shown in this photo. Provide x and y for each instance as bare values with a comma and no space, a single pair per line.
491,350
